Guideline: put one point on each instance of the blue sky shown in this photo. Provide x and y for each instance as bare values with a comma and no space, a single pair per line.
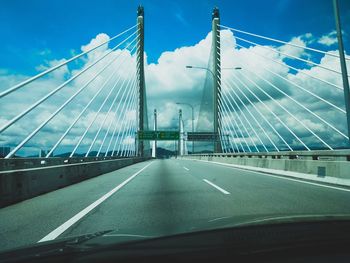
37,33
34,30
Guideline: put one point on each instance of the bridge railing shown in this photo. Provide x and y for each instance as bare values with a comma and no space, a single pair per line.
319,165
322,155
23,178
28,163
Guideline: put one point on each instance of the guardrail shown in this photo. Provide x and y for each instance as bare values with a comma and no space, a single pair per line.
25,163
24,178
335,155
321,163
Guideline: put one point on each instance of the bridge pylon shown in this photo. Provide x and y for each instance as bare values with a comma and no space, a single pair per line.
140,79
216,76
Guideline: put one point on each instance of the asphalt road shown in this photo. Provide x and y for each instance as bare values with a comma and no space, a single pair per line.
163,197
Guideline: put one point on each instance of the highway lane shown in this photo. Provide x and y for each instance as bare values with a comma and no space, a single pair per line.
166,197
29,221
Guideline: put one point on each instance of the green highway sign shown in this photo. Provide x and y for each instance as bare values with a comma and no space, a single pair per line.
168,135
147,135
202,136
159,135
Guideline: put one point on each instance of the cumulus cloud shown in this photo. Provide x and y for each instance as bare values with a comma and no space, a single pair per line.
118,77
169,81
329,39
295,51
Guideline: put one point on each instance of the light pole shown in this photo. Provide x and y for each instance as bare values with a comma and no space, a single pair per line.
215,104
155,129
236,68
208,69
190,105
213,75
179,145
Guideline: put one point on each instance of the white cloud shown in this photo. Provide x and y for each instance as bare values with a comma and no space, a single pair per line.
298,50
168,82
328,40
99,39
294,51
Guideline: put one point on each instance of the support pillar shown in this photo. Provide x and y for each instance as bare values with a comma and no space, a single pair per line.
154,151
140,77
217,75
342,64
180,133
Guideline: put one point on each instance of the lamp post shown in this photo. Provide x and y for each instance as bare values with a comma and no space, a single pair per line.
208,69
215,103
213,75
179,145
192,109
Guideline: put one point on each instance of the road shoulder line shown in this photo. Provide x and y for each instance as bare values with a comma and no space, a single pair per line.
59,230
217,187
272,173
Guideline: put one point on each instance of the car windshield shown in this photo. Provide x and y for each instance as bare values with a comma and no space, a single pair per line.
171,116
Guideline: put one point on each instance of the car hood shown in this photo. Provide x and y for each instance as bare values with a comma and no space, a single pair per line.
125,237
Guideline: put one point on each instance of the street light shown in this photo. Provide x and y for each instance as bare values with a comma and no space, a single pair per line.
213,75
187,104
209,70
236,68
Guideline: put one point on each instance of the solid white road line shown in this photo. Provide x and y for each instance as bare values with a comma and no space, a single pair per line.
59,230
277,176
217,187
186,168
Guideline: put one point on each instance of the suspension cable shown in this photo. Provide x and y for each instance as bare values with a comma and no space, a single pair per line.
242,124
229,123
224,101
23,83
124,108
293,68
282,42
128,130
291,56
300,87
303,89
251,127
97,114
86,107
268,108
60,108
226,129
114,131
251,103
119,117
104,120
19,116
116,125
301,105
232,127
295,118
123,128
245,117
247,109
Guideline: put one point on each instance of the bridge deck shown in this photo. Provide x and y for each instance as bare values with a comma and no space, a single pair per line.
166,197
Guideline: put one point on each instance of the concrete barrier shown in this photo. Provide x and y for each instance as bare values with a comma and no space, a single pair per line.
24,183
321,163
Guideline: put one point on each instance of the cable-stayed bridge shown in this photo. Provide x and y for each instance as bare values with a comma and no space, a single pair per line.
276,113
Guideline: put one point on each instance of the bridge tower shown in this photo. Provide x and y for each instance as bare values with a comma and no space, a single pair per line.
217,75
140,79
